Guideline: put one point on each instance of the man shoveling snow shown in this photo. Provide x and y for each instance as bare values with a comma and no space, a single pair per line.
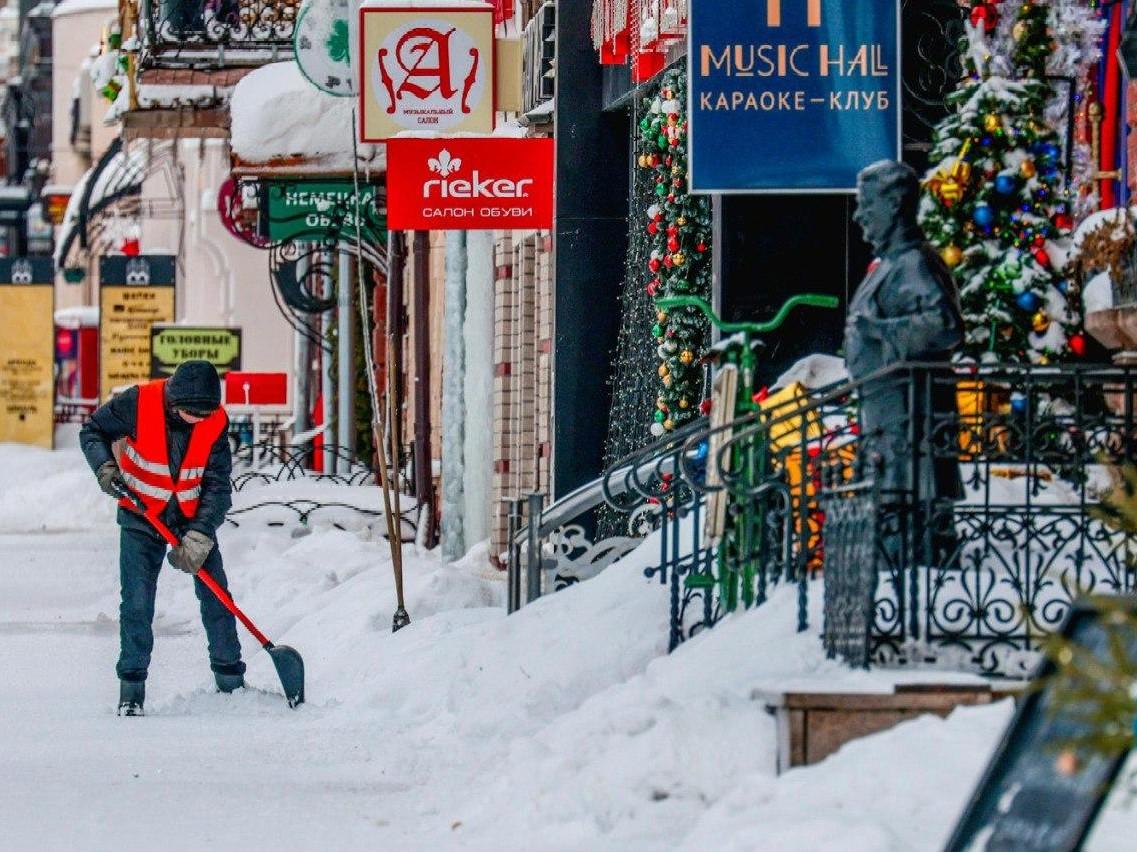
137,441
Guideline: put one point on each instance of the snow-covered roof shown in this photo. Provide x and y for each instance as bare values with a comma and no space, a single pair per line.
75,7
123,171
277,115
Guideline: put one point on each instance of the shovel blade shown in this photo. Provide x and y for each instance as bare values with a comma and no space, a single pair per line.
290,668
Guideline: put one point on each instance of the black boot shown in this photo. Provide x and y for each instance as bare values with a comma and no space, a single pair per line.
228,683
131,696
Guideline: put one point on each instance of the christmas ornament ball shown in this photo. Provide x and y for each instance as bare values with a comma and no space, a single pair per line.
1028,301
1040,322
669,424
983,215
1005,184
657,430
659,416
1027,169
1041,256
952,255
1018,404
992,122
1063,221
1078,344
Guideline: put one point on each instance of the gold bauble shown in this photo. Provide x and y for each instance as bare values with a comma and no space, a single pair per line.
667,381
684,403
952,255
669,424
643,161
1018,32
664,370
1027,169
681,221
661,316
686,356
1040,322
678,259
992,122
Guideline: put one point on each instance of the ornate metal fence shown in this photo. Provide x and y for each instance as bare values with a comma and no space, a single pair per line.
242,23
979,582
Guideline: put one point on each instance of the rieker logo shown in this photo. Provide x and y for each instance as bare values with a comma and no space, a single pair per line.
475,186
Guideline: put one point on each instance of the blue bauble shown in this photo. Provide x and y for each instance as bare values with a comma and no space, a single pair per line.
1028,301
1051,150
1018,404
1005,184
1063,287
701,451
984,215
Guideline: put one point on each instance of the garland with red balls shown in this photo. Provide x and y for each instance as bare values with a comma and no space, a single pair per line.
679,257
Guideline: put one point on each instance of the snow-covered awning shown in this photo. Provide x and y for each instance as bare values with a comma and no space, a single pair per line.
283,122
118,174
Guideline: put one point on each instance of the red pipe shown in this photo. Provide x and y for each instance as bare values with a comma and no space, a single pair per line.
1112,105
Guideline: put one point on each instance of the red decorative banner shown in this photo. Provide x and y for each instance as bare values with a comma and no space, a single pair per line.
469,183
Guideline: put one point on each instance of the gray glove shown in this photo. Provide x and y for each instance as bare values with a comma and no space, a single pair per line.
110,479
191,554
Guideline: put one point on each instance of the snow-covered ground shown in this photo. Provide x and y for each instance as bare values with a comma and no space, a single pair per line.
564,726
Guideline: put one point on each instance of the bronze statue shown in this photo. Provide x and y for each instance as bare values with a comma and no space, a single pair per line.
906,310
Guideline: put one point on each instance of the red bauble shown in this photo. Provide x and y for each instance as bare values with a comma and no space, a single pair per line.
672,230
658,217
986,15
1041,256
1078,344
651,288
700,246
705,407
1063,221
653,265
1039,241
667,262
652,228
673,244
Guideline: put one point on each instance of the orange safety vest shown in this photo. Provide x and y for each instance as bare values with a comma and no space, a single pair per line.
145,461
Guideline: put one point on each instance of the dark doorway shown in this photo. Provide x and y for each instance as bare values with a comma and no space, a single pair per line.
775,246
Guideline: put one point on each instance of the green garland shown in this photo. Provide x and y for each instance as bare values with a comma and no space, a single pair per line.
679,260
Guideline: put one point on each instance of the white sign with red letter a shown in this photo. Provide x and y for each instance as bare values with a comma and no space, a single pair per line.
426,68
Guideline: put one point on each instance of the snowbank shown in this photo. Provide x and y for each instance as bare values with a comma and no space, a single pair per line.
564,726
43,490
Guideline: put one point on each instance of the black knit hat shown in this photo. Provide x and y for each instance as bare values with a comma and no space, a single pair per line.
195,387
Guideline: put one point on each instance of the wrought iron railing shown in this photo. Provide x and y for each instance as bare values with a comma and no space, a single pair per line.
979,582
914,575
269,462
245,28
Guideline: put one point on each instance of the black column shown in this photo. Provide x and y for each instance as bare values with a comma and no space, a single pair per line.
591,234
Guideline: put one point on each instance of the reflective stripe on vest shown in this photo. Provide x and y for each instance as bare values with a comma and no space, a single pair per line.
145,461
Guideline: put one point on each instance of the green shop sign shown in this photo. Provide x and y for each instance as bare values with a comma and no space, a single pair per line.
321,210
171,345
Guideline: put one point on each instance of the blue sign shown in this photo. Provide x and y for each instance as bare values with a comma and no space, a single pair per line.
791,95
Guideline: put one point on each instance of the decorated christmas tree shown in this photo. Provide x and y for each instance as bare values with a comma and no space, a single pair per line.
996,204
679,258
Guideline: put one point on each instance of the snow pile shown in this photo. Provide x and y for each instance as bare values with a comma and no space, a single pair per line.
43,490
279,115
563,726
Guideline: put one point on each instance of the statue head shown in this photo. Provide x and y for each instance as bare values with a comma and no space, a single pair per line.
888,196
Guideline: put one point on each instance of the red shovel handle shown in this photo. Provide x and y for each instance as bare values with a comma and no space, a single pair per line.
204,576
230,605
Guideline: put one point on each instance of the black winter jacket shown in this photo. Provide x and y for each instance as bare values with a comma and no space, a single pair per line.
118,418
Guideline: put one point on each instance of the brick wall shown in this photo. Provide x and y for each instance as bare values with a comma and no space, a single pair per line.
522,372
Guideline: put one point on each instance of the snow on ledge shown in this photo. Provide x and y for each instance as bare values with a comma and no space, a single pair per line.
279,115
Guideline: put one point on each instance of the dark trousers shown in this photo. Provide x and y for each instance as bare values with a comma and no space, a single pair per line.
141,555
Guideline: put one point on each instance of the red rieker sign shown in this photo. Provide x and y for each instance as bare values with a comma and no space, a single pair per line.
469,183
